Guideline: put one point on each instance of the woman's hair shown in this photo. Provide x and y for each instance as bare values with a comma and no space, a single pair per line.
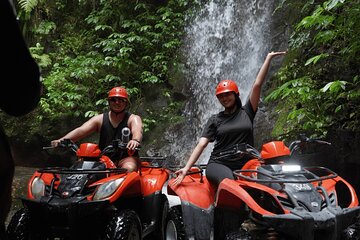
238,100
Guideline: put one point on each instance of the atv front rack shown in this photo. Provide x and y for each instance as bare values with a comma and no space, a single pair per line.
280,176
154,162
81,171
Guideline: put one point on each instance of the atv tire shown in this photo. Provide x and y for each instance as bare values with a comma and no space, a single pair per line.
238,235
175,229
124,225
352,232
19,226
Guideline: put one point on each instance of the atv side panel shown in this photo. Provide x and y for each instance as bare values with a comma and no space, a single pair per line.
197,199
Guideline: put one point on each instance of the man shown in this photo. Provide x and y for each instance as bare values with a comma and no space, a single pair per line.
109,125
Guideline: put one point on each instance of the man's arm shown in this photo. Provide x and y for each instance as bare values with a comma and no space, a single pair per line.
136,128
87,128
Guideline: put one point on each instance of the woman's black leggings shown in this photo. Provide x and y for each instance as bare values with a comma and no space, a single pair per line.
216,172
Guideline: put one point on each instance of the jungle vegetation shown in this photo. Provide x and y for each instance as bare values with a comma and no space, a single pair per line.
318,86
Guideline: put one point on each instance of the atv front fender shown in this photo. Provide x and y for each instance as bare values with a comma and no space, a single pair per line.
153,180
231,195
193,191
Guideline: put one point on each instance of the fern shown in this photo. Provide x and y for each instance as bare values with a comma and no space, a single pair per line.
28,5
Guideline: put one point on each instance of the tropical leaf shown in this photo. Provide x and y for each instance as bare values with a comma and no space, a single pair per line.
28,5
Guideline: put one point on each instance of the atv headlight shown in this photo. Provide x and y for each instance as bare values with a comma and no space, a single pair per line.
108,188
290,168
38,187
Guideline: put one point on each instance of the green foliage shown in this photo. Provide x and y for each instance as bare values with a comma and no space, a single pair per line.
40,57
320,84
85,48
315,59
28,5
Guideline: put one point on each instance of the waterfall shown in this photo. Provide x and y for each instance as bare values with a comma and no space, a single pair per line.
226,40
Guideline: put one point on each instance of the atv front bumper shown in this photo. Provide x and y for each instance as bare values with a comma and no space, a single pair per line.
64,217
327,224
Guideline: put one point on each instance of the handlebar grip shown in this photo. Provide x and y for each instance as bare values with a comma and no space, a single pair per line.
49,147
323,142
298,144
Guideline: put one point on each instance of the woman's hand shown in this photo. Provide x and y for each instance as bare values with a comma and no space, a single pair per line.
273,54
181,173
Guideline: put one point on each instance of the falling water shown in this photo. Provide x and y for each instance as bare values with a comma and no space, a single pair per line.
227,40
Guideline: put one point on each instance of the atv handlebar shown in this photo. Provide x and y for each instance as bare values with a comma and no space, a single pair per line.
65,143
193,170
298,144
59,170
115,145
239,151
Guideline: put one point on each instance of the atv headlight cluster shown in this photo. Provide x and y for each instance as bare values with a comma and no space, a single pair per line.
291,168
38,187
107,189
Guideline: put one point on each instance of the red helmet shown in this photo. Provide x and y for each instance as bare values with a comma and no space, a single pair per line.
274,149
88,150
118,92
227,86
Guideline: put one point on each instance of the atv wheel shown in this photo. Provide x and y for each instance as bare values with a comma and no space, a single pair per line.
175,229
125,225
159,233
18,228
238,235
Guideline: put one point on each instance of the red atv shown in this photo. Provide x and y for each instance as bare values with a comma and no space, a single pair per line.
272,197
93,199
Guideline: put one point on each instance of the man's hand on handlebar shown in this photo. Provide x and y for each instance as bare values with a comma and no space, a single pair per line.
133,144
55,143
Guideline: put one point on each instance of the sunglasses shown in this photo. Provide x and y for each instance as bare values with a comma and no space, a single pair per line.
116,99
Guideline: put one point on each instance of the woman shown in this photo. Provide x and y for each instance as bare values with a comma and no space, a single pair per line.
232,126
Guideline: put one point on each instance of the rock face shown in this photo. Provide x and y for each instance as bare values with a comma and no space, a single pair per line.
345,155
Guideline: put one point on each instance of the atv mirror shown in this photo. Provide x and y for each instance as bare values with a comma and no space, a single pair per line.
125,132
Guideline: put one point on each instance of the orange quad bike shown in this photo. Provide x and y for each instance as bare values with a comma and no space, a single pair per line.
272,197
93,199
